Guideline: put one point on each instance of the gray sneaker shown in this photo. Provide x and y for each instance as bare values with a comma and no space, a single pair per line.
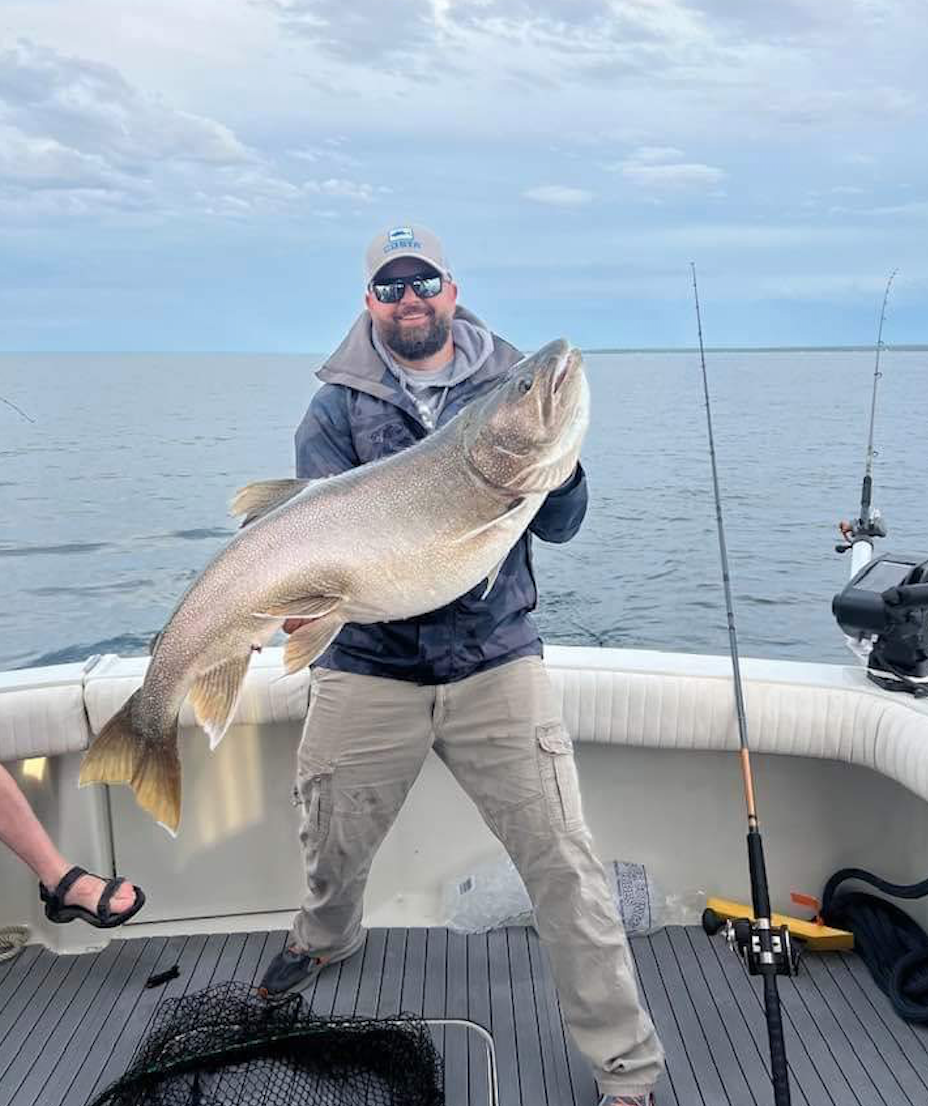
290,970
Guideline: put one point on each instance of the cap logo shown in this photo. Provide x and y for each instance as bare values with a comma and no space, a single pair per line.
401,238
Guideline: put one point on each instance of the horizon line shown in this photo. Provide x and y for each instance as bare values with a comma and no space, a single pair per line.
807,348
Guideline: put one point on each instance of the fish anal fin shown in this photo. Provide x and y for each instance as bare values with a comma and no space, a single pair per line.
261,497
309,641
215,696
303,606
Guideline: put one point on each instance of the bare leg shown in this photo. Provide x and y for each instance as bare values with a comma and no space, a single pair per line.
25,835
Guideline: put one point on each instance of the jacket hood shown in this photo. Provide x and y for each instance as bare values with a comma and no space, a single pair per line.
357,364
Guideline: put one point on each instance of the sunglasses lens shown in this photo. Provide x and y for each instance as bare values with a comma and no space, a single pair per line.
426,287
390,292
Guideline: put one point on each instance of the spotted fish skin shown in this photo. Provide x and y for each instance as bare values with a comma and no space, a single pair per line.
389,540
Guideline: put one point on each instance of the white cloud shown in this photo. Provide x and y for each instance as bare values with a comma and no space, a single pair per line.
917,209
657,155
90,105
46,163
77,131
558,196
369,33
327,151
662,168
342,189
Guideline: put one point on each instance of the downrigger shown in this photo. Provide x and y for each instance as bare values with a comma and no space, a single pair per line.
883,610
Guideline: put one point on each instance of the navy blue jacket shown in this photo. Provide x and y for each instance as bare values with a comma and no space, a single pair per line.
360,414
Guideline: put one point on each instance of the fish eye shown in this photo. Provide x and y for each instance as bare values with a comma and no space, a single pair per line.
525,384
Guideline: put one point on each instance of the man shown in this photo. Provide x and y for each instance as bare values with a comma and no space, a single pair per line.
466,680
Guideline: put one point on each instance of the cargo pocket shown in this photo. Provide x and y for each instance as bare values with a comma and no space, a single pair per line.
559,776
316,795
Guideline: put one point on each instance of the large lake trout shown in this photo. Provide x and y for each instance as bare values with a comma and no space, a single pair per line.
389,540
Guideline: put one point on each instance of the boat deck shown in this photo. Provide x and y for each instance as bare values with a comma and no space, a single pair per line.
69,1024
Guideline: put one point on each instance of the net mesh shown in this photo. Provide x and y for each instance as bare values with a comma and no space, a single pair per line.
226,1046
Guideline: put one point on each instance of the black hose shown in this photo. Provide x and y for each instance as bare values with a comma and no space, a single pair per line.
891,943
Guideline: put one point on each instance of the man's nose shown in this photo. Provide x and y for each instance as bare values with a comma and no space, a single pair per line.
408,294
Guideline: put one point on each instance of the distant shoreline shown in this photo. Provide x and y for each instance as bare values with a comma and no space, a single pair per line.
902,348
760,349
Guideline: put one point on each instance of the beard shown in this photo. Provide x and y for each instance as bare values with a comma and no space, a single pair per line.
415,343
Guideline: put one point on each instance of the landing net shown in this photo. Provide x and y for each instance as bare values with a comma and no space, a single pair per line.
226,1046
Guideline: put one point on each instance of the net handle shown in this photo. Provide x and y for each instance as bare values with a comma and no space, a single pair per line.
487,1038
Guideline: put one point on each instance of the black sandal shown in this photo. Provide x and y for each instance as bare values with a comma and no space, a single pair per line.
103,918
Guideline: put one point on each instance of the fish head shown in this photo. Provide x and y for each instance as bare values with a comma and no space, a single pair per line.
525,435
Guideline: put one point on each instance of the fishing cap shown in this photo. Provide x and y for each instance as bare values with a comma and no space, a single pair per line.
410,240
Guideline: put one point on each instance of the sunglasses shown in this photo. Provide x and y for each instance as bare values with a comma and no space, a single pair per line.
392,291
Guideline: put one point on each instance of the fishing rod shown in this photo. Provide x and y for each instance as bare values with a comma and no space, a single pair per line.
765,948
11,404
858,534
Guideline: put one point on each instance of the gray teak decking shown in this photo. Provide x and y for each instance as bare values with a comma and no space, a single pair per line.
69,1025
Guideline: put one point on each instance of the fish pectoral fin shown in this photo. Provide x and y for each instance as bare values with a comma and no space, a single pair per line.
309,641
302,606
215,696
511,512
491,579
261,497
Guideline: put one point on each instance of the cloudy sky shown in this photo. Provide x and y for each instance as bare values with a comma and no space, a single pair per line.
205,174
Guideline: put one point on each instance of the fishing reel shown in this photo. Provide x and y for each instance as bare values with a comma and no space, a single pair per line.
861,530
745,937
883,610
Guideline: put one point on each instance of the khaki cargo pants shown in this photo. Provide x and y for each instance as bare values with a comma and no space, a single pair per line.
501,735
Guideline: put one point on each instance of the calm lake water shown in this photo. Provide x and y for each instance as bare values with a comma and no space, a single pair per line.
115,497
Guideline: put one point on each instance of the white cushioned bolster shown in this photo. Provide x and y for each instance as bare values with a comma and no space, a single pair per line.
269,694
608,696
825,711
42,712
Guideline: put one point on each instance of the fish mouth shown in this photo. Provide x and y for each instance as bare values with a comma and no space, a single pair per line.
565,369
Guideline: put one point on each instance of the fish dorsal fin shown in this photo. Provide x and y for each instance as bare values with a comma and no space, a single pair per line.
215,696
302,606
257,499
309,641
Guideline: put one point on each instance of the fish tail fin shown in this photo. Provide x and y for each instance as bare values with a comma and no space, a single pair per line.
156,782
119,754
113,753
